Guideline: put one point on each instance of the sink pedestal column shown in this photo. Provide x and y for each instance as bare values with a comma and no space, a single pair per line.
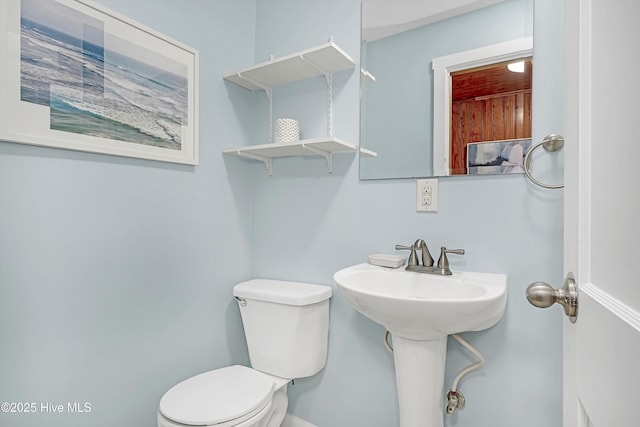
420,380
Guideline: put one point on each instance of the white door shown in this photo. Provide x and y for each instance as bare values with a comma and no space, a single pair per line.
602,212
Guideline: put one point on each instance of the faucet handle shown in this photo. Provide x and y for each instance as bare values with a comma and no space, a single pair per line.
413,258
443,261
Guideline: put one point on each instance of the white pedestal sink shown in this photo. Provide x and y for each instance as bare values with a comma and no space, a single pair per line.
421,310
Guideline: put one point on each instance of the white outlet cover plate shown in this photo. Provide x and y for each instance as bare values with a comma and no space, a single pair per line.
427,195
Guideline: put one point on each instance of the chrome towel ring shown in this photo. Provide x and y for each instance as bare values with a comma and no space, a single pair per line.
551,143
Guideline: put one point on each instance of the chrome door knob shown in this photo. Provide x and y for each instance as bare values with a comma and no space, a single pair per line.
543,295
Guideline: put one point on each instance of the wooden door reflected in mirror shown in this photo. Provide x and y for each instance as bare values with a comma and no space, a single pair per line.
489,103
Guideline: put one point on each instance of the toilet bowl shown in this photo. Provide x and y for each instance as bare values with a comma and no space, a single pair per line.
235,396
286,327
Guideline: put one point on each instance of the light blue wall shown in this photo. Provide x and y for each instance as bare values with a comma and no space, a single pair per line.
309,224
397,122
116,273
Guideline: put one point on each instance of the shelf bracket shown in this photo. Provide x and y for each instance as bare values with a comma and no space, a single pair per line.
315,65
330,114
268,91
268,161
326,154
263,86
328,76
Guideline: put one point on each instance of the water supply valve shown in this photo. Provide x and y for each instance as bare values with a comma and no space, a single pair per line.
455,400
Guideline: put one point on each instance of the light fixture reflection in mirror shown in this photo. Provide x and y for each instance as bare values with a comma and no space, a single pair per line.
516,67
397,110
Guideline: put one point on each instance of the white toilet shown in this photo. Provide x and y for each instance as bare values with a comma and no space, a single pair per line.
286,325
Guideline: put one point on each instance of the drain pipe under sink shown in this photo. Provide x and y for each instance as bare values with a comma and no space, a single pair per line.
455,398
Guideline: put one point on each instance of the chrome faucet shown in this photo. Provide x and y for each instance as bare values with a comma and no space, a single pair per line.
419,245
427,260
442,267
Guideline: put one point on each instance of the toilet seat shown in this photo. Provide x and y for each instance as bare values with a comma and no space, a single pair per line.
223,397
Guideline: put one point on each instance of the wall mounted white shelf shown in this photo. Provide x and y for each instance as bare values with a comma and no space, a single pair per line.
364,152
305,147
366,76
313,62
322,60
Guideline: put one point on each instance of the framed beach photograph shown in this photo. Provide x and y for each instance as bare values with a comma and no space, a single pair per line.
497,157
74,75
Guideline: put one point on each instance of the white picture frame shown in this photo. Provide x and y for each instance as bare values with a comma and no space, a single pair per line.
74,75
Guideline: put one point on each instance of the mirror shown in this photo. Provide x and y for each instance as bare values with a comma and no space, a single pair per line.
399,119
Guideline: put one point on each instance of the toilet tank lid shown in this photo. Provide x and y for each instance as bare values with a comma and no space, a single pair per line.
282,292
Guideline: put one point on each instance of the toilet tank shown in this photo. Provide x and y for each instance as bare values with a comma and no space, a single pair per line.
286,325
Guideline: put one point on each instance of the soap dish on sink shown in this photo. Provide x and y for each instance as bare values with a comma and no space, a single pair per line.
384,260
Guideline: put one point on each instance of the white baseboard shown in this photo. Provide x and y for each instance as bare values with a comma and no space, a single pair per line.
291,420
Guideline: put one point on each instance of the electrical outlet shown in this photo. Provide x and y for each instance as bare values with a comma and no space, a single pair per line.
427,195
